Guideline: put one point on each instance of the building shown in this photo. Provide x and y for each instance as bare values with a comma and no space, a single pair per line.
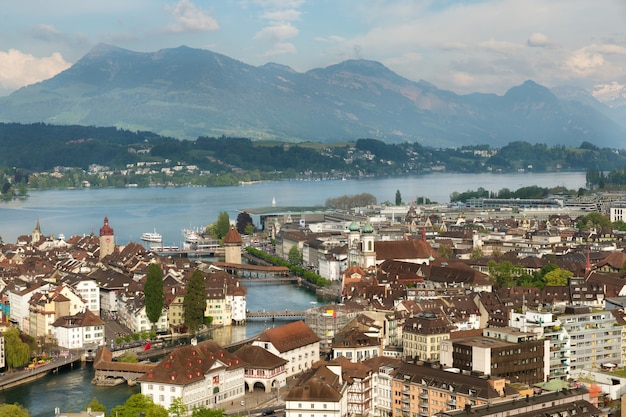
107,239
383,368
232,246
294,342
596,338
319,392
504,352
201,375
326,321
262,368
572,402
355,346
419,390
80,330
423,334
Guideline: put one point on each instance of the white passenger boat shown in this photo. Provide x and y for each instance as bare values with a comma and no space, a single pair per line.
152,237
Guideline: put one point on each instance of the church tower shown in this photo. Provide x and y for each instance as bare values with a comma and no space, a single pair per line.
36,234
369,254
107,239
232,246
354,240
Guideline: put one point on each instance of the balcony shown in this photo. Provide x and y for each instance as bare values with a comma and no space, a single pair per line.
423,396
451,403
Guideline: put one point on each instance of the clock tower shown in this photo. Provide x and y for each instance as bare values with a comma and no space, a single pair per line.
107,239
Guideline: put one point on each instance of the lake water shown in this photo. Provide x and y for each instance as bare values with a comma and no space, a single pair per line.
132,211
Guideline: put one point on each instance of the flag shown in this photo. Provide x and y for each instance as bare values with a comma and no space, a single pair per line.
146,346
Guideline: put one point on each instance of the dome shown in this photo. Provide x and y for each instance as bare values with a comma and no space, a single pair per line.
368,228
354,226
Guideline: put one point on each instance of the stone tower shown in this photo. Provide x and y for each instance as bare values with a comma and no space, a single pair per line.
107,239
232,246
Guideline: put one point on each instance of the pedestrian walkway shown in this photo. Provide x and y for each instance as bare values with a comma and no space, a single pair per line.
253,403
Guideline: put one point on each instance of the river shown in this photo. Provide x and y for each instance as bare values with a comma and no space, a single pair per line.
72,389
132,211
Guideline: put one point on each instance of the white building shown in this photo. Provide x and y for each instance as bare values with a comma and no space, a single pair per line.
78,331
320,392
294,342
201,375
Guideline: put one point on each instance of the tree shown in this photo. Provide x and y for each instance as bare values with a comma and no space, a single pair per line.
16,351
445,250
249,229
139,403
244,220
207,412
95,405
398,198
194,303
177,407
504,273
222,225
294,256
477,253
558,277
153,291
13,410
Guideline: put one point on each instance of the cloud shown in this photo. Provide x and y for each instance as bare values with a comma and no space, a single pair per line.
594,59
190,18
276,34
288,15
538,40
280,48
18,69
50,34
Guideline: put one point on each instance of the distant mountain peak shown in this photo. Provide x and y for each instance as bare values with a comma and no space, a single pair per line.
612,94
186,93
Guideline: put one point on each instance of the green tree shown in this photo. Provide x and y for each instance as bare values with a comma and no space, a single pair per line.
445,250
294,256
194,303
249,230
153,291
558,277
477,253
95,405
139,403
207,412
177,407
17,352
596,220
222,225
398,198
504,274
13,410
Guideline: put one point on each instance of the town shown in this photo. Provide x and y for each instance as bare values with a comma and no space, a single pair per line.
497,307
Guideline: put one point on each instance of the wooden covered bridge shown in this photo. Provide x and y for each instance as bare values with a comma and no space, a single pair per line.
110,373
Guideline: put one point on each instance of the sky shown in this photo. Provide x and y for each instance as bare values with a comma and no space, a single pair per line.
464,46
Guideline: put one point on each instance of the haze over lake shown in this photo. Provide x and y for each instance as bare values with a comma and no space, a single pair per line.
132,211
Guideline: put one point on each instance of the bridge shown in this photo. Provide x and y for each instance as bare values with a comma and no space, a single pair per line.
109,373
188,253
276,315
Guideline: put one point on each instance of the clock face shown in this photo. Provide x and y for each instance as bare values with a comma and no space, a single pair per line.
108,240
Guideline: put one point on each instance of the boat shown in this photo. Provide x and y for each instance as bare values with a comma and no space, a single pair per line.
191,236
152,237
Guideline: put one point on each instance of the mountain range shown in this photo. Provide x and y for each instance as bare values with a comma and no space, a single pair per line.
187,93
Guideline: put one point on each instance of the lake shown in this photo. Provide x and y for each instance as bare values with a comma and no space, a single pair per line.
132,211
